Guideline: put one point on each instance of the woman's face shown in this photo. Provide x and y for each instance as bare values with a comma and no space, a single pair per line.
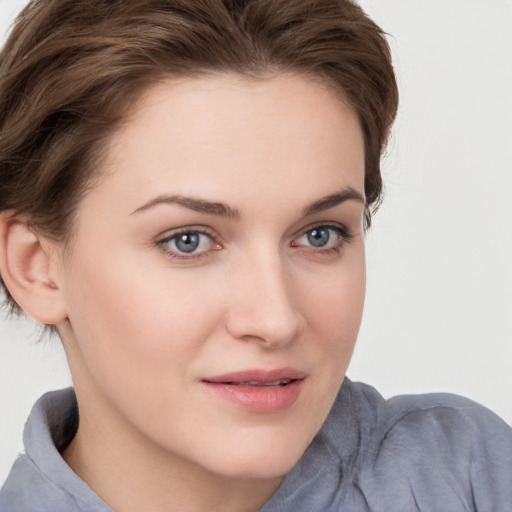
216,280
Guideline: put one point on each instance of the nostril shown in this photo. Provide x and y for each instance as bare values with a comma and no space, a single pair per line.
263,309
274,330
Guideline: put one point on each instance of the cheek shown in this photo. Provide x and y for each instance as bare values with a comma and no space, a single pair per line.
334,314
336,303
137,327
334,309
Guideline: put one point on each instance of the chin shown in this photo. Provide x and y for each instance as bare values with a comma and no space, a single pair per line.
271,468
260,457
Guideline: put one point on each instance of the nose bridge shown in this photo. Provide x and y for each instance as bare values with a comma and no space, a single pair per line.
264,307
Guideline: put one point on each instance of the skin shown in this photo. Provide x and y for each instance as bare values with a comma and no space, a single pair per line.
145,323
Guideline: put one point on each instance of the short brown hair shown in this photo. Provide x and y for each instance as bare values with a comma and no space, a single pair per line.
70,69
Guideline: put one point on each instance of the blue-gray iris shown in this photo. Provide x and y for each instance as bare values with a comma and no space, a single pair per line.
187,242
318,237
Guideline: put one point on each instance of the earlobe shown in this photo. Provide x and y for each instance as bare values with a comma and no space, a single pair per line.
27,266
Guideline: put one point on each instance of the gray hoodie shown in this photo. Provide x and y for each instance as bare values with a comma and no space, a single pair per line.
428,453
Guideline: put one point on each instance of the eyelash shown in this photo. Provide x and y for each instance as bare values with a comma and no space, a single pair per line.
343,237
162,243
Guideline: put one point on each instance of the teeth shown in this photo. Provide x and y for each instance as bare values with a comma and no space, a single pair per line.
281,382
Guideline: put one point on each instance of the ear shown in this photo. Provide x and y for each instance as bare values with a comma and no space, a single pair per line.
29,267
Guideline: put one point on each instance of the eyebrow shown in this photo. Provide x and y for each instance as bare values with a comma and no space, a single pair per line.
332,200
223,210
192,203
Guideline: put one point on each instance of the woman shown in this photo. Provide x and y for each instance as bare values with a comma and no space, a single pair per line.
184,192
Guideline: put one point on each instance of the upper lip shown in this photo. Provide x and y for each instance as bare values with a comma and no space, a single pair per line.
258,376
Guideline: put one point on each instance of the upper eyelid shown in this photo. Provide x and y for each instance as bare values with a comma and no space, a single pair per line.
162,241
340,231
168,234
327,224
171,233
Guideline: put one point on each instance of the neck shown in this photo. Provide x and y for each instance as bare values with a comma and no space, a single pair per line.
130,473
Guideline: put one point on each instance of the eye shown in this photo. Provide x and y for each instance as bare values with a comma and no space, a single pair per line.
324,237
318,237
188,243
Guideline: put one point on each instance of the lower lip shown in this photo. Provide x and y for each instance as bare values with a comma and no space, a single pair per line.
259,398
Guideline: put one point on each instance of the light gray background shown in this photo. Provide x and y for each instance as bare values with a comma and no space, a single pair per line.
439,304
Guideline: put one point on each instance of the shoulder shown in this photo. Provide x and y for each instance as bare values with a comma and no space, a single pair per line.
424,453
453,418
40,480
448,427
440,451
27,489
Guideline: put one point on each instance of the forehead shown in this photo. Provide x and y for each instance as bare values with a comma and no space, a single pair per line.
227,135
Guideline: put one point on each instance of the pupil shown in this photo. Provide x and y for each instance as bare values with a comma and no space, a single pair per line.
187,242
318,237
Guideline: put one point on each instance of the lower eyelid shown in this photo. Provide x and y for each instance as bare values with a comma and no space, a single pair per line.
342,236
164,243
341,233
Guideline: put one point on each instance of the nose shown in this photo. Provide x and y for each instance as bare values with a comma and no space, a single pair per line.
264,307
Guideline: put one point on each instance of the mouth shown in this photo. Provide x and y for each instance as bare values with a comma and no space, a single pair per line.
280,382
255,377
259,390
